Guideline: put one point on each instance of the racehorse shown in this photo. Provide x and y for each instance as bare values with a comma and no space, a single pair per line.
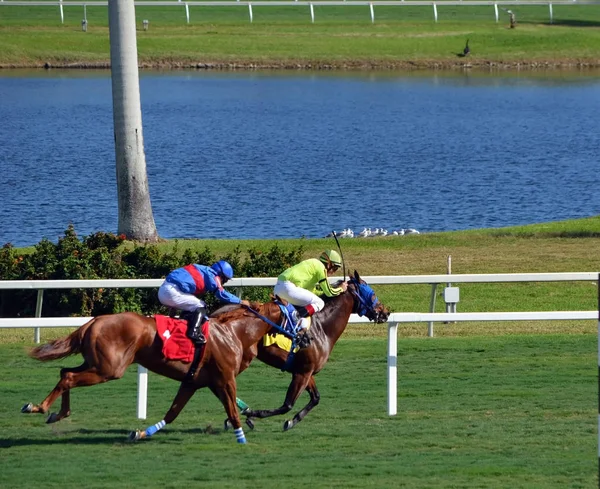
327,327
109,344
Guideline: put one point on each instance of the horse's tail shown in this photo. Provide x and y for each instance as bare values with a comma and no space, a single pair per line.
61,347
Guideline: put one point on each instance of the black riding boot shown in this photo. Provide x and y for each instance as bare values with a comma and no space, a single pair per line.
194,330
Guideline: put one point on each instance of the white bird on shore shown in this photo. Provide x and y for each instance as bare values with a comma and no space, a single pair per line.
411,231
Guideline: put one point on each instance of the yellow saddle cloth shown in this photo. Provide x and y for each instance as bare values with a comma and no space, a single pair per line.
282,341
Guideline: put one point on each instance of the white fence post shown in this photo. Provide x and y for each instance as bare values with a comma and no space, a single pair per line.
550,7
187,13
250,11
312,14
393,368
435,12
38,313
496,12
431,309
372,13
142,397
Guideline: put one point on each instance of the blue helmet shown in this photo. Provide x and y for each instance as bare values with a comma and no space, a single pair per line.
223,268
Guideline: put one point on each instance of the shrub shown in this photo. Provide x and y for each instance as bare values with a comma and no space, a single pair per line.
102,256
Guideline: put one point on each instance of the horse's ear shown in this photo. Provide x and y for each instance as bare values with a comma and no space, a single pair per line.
356,276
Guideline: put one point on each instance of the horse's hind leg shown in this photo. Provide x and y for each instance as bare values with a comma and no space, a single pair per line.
299,383
315,397
69,378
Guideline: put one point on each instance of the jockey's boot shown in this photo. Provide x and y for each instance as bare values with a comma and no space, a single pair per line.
300,323
194,330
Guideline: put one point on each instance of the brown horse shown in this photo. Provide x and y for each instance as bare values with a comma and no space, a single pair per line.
327,327
109,344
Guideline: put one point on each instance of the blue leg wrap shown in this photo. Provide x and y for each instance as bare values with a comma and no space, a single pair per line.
153,429
239,434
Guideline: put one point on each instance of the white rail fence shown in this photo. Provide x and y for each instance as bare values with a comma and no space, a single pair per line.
393,320
310,4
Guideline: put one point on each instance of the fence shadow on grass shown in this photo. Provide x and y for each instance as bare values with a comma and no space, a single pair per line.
103,437
565,23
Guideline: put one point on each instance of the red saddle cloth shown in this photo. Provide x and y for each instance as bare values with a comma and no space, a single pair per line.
172,332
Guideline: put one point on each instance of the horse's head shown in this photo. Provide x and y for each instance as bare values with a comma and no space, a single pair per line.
367,304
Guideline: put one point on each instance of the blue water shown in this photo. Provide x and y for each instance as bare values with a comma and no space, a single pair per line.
263,155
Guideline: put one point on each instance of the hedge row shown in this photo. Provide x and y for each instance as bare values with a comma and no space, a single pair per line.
103,256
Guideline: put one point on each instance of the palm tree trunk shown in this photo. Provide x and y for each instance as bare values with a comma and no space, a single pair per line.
136,220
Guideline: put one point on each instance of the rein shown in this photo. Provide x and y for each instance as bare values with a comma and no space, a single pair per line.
269,322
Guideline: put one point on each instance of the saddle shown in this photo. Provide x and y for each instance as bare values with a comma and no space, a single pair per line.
197,331
290,325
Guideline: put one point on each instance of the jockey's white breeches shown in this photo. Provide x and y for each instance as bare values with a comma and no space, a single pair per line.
170,295
297,295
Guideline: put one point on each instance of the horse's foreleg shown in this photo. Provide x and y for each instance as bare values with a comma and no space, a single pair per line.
227,395
184,394
299,383
315,397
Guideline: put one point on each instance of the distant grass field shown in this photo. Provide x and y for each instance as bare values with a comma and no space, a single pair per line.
341,36
480,412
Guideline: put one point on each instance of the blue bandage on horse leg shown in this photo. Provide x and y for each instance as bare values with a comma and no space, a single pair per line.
239,435
153,429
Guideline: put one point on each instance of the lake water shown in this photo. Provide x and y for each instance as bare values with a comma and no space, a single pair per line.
267,155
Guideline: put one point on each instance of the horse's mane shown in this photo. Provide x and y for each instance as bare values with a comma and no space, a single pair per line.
233,311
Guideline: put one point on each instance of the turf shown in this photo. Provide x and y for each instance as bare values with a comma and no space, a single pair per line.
478,412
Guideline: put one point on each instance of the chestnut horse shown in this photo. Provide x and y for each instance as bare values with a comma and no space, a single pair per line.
327,327
109,344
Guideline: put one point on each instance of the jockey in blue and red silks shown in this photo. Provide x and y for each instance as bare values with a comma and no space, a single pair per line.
184,287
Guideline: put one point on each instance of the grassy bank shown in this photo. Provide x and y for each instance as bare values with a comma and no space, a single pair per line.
283,37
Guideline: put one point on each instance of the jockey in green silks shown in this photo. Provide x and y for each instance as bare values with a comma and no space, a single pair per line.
298,284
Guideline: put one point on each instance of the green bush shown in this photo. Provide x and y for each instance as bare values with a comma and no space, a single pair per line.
103,256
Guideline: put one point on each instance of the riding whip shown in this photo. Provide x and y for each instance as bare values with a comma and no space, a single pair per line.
341,254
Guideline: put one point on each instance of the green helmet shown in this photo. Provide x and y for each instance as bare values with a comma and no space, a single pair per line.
331,256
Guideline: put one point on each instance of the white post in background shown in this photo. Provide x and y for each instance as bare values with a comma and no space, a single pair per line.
372,13
496,11
250,11
62,14
393,369
449,272
38,314
435,12
312,13
187,13
550,7
431,309
142,392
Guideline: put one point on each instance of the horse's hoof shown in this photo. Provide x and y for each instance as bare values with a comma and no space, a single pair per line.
136,436
250,423
288,425
53,418
28,408
227,424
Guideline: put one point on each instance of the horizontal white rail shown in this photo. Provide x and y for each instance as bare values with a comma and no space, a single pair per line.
396,317
279,3
322,3
270,281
